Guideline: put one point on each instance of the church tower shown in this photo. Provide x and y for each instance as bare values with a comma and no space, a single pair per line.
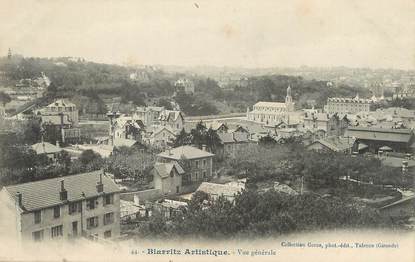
289,105
9,54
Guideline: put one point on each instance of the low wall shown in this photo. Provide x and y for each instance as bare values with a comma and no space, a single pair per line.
196,118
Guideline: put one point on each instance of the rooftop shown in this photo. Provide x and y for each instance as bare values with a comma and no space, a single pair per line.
187,152
219,189
164,169
45,148
45,193
270,104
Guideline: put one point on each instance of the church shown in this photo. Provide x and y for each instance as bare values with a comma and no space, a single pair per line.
272,112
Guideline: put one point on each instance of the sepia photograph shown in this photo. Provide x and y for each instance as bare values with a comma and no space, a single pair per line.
182,130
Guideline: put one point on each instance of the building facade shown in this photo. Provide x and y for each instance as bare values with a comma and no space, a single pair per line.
331,124
272,112
195,162
342,106
84,205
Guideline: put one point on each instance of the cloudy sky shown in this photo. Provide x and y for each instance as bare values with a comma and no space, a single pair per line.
355,33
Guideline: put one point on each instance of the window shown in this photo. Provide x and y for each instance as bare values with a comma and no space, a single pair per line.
204,174
38,216
108,218
109,199
57,231
38,235
91,203
107,234
204,162
56,212
75,207
197,163
92,222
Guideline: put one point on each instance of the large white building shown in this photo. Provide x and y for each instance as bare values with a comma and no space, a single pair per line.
342,105
272,112
62,208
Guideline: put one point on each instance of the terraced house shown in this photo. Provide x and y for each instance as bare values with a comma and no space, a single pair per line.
83,205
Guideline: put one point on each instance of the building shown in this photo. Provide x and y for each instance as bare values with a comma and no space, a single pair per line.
272,112
172,119
127,128
60,120
86,205
195,162
48,149
343,106
66,108
149,115
331,124
162,137
332,144
399,140
184,85
228,191
168,177
232,143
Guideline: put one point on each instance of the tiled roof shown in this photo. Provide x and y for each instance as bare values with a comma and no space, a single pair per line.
219,189
45,148
337,144
381,134
161,128
233,137
164,169
45,193
270,104
188,152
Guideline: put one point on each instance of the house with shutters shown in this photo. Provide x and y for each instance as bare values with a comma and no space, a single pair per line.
197,163
56,209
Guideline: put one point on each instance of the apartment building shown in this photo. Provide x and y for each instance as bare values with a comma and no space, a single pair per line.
83,205
347,105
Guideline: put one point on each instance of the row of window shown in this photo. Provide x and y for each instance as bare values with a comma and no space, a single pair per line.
55,232
197,162
75,207
93,222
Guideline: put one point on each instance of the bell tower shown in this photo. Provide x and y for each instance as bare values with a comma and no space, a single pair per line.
289,105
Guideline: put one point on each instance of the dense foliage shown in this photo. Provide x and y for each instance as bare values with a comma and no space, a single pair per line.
262,214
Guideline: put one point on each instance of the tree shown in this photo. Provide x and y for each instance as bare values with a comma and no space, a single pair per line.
4,99
182,139
89,161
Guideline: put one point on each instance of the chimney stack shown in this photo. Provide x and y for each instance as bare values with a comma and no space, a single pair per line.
100,185
19,199
204,147
63,194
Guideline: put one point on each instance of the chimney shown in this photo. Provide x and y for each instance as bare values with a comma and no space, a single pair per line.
169,151
57,143
63,194
19,199
204,147
100,186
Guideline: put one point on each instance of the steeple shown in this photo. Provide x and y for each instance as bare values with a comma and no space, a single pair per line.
288,98
289,105
9,54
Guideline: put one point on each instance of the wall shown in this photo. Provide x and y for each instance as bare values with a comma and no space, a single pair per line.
66,219
150,194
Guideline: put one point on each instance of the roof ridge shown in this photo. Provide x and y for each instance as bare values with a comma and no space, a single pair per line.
48,179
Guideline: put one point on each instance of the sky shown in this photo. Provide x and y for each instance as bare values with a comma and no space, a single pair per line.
260,33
